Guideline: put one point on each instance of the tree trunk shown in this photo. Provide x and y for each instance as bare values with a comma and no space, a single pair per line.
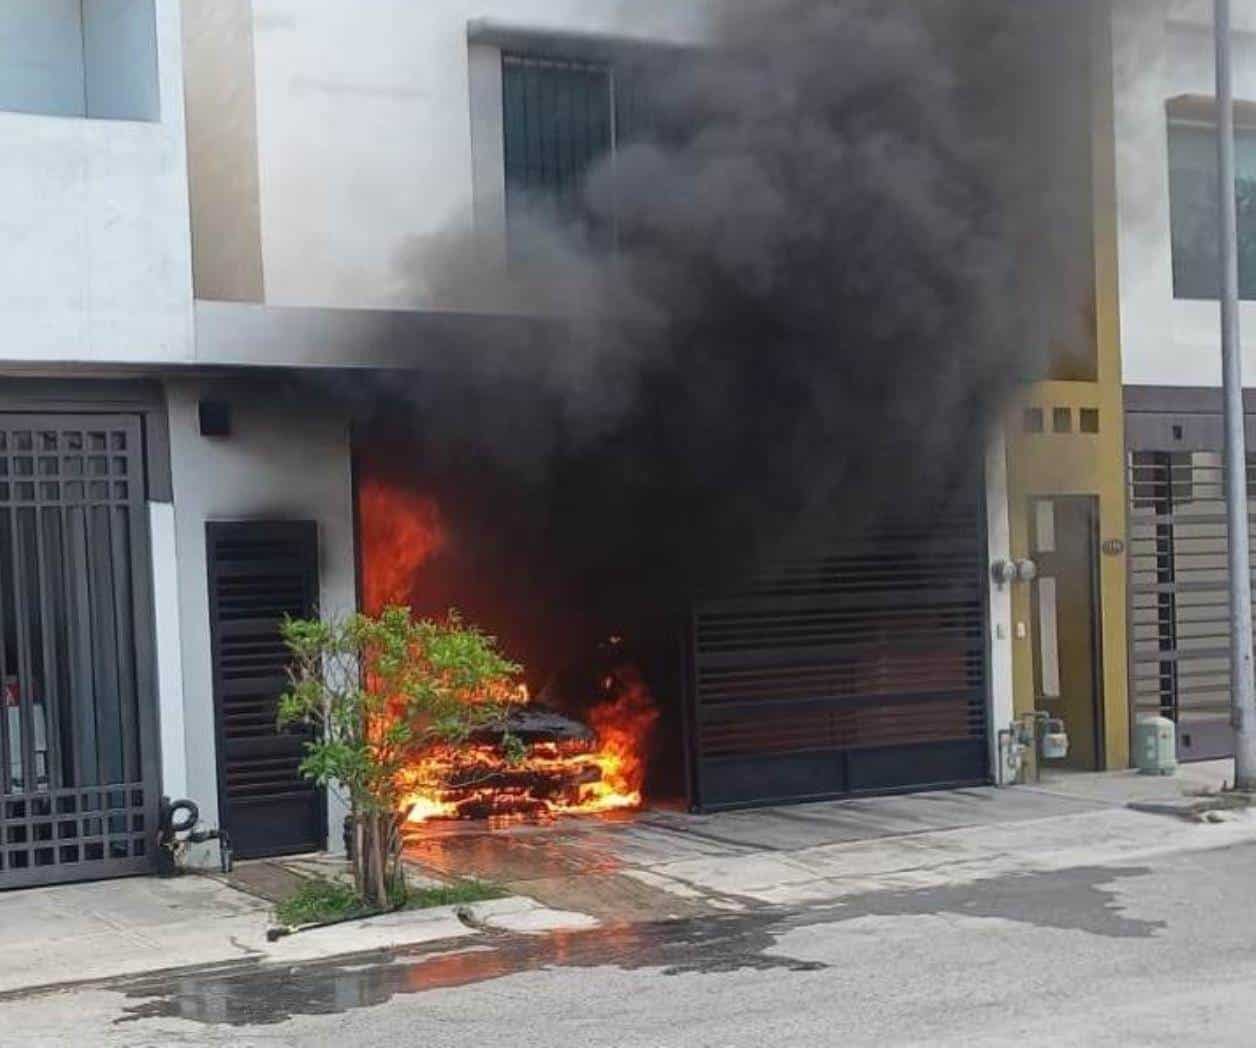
360,857
380,870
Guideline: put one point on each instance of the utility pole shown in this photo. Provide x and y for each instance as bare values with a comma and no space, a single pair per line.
1242,683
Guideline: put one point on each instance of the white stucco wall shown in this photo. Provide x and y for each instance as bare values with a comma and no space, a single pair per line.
1162,49
999,548
168,646
364,130
96,259
281,462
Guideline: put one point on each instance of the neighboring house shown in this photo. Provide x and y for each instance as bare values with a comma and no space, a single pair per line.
1115,481
1171,359
207,195
133,587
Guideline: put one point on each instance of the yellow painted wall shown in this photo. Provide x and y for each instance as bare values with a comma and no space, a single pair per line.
1076,463
1048,463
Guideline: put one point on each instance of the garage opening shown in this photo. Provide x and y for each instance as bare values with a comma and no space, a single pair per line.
853,663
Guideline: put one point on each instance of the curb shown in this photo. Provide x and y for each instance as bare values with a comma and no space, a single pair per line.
1197,809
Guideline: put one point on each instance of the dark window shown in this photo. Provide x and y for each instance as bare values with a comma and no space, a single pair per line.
561,118
1193,188
557,125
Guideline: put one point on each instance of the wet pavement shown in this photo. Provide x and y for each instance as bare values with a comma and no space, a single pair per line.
962,915
614,866
1082,899
1086,953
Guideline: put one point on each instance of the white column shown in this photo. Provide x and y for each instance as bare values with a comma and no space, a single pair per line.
174,765
999,542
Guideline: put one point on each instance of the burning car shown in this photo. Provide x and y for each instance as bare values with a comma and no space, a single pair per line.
562,765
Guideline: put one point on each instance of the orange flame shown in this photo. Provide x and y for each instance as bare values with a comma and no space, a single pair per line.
400,532
552,778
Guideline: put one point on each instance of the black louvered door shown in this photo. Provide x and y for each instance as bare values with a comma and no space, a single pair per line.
260,571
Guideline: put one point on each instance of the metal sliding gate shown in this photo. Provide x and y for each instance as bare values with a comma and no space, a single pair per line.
78,758
1179,594
862,669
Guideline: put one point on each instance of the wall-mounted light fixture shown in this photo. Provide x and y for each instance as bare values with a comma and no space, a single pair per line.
1003,572
215,418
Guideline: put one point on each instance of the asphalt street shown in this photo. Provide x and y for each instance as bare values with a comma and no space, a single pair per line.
1149,953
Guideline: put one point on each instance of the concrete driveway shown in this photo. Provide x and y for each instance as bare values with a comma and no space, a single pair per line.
661,864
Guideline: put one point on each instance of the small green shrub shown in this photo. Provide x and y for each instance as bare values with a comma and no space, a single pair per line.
378,692
320,901
453,894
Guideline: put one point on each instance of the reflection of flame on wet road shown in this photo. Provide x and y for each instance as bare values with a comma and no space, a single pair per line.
267,996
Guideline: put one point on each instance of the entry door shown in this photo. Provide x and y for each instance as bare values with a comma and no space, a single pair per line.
78,756
1066,616
260,571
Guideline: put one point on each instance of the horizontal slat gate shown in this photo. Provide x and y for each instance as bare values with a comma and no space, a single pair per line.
78,757
1179,595
862,669
258,573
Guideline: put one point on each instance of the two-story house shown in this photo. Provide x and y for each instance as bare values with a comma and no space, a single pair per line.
223,223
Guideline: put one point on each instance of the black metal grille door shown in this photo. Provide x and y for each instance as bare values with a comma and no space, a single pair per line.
258,573
859,670
78,760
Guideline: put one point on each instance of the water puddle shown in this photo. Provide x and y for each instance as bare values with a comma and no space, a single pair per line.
1075,900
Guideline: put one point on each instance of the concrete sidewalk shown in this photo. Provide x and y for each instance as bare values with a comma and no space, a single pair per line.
647,867
89,932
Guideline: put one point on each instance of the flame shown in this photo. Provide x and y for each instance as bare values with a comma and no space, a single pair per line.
400,532
453,782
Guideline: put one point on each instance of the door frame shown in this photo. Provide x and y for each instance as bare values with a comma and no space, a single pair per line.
1094,566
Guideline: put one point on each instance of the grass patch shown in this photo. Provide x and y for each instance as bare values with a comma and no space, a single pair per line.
453,894
319,901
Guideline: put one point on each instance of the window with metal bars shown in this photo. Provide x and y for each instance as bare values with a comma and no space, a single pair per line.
561,118
1194,207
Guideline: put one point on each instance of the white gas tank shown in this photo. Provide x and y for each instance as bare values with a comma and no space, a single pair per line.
1155,745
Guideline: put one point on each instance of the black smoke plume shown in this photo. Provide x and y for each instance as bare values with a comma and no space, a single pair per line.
793,305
